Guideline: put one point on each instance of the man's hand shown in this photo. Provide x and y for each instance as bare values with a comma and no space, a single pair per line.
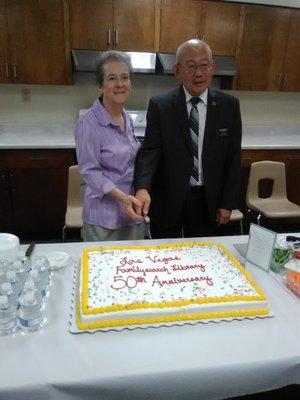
144,198
129,202
223,216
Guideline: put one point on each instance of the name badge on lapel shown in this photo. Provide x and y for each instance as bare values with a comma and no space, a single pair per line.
223,133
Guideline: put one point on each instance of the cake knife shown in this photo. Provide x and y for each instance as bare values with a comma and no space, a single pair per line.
147,222
30,249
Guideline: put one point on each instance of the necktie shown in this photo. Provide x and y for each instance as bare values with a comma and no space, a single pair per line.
194,131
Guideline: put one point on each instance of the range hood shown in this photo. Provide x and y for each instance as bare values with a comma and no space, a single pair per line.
226,66
84,60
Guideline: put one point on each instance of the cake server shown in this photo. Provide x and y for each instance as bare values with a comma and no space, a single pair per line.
30,249
147,222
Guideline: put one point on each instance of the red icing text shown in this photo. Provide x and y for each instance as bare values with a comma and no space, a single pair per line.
177,281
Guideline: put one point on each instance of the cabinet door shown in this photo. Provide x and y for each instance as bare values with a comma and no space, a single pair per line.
4,60
39,41
91,24
262,47
6,212
135,25
181,20
38,199
221,27
38,188
291,65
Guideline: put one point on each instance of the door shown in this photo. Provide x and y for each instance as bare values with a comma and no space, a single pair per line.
4,57
262,48
33,186
134,25
38,195
221,29
6,212
181,20
291,65
39,41
91,24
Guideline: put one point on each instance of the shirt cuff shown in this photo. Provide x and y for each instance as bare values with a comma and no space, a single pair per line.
108,187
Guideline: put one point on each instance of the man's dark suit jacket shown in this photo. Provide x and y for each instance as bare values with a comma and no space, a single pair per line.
164,162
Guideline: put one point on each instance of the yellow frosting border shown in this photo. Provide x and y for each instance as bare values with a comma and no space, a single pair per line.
178,303
108,323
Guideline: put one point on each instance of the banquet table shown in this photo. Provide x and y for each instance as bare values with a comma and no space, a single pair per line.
214,360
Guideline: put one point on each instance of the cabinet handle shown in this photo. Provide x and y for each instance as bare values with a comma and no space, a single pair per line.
4,181
278,83
7,70
15,71
37,158
109,37
12,182
284,80
116,37
293,157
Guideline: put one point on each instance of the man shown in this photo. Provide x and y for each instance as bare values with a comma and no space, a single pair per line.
190,160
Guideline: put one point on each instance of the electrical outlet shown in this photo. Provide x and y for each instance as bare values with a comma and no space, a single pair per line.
25,95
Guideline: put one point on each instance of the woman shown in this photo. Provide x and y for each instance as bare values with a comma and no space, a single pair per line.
106,149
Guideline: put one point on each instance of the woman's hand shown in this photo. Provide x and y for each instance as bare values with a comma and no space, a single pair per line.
130,203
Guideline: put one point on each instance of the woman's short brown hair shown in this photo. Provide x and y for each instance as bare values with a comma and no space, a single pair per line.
108,56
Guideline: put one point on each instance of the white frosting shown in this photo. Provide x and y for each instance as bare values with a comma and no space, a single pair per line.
185,310
120,277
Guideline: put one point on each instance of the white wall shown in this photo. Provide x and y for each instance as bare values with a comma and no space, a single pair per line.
61,103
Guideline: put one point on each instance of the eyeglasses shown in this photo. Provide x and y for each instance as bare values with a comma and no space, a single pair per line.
204,67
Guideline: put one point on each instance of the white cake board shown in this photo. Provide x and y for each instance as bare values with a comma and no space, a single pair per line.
74,329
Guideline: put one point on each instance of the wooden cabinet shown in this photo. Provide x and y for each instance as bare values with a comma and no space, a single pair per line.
264,39
135,25
97,33
33,190
221,27
291,64
6,215
35,36
4,66
114,24
180,20
269,51
215,22
34,42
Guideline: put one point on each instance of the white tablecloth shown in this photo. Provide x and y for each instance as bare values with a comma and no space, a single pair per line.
207,361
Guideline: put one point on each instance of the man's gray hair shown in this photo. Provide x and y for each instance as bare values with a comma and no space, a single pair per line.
192,43
111,56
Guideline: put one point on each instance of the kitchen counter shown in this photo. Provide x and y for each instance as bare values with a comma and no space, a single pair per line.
258,137
60,136
37,136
